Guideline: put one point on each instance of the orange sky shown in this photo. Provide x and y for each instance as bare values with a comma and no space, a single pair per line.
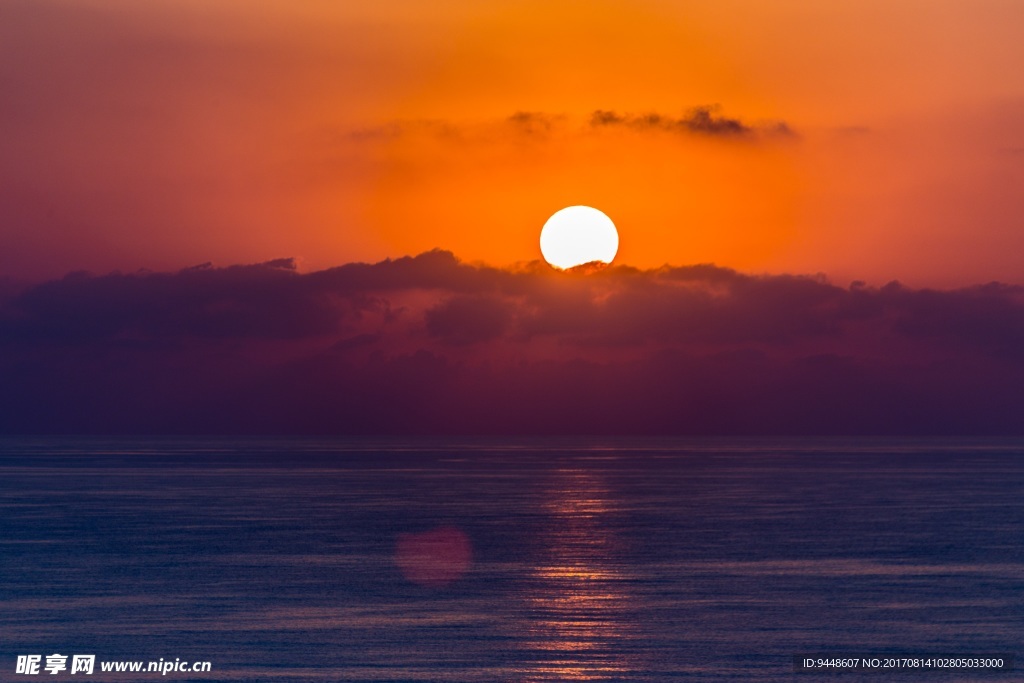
164,134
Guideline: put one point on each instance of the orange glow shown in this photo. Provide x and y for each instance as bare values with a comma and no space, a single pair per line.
335,132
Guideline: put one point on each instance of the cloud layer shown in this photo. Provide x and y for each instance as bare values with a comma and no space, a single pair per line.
429,344
706,121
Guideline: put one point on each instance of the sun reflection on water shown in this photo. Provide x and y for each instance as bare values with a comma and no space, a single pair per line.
579,608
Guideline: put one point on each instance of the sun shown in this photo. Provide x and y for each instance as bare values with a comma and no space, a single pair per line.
577,235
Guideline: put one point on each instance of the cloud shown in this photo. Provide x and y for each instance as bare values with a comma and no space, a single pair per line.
468,319
9,288
535,123
265,301
703,120
430,344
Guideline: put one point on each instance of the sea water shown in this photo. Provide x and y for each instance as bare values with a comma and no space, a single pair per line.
510,560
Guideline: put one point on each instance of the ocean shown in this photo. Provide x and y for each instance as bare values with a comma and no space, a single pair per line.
585,559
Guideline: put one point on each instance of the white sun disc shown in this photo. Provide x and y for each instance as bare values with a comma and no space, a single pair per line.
577,235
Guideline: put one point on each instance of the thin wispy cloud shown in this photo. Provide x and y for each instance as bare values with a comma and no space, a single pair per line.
703,120
706,121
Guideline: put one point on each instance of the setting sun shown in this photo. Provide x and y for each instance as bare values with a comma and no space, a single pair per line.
577,235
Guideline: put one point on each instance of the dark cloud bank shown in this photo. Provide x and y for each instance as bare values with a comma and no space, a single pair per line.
432,345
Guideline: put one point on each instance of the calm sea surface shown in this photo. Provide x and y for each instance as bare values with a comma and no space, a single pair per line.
490,560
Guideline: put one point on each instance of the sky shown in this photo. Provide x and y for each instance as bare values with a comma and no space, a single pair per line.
324,217
874,140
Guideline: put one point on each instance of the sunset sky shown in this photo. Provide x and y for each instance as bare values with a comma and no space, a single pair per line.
322,216
867,140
